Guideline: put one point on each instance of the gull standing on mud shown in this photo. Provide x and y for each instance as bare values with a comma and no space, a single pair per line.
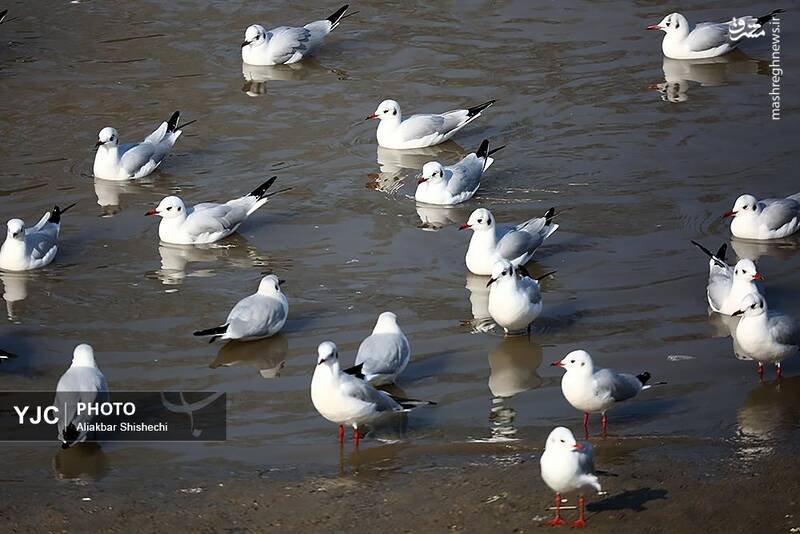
285,45
453,184
31,248
728,285
770,218
384,354
419,131
207,222
514,297
126,162
707,39
592,391
257,316
766,336
568,465
491,243
345,399
83,382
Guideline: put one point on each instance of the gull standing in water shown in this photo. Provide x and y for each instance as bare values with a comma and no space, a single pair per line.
84,383
384,354
31,248
766,336
728,285
514,297
771,218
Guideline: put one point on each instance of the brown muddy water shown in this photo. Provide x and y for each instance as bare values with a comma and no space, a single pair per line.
636,168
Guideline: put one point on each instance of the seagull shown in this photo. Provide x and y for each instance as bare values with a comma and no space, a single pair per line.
447,186
260,315
590,390
347,399
568,465
3,15
31,248
285,45
126,162
514,297
516,244
384,354
707,39
5,355
207,222
420,131
728,285
83,382
766,336
771,218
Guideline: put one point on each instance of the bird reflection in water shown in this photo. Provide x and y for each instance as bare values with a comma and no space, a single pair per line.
267,356
81,461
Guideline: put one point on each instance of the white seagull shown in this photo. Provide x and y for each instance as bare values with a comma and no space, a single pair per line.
516,244
207,222
591,391
126,162
728,285
350,400
453,184
766,336
420,131
770,218
257,316
707,39
384,354
31,248
568,465
285,45
514,296
83,382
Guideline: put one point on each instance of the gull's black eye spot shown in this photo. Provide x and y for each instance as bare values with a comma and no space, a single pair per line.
489,221
583,363
745,207
386,111
394,112
677,24
572,361
753,306
562,441
179,208
169,208
480,220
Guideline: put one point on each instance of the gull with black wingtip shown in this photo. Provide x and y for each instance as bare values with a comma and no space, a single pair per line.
26,249
770,218
514,297
766,336
728,285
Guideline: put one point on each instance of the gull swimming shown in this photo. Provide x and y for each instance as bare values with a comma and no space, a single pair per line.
285,45
516,244
257,316
83,382
770,218
764,335
514,296
385,353
420,131
31,248
728,285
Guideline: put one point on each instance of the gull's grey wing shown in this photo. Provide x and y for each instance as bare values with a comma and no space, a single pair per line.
252,315
708,35
78,384
382,354
784,328
465,175
213,218
531,288
361,390
517,243
719,285
417,126
619,386
286,41
586,458
40,244
137,157
778,211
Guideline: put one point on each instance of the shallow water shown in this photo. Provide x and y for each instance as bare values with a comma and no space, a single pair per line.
635,176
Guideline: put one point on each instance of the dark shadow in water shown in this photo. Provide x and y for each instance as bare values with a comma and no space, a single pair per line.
81,461
634,500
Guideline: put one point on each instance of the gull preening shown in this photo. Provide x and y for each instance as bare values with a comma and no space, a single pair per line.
707,39
514,297
384,354
285,45
453,184
568,465
764,335
728,285
419,131
350,400
491,243
31,248
126,162
770,218
593,390
257,316
207,222
83,382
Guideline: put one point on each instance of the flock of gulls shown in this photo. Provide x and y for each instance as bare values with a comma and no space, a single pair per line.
351,396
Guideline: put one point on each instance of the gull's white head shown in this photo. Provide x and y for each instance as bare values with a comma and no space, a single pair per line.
388,109
752,305
328,354
432,172
83,356
577,360
480,220
254,35
107,137
562,439
169,208
270,285
745,205
673,24
387,323
16,229
501,269
746,270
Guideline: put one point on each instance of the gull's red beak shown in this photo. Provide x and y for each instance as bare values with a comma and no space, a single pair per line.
579,446
654,27
557,363
464,227
151,211
421,180
758,276
371,116
729,213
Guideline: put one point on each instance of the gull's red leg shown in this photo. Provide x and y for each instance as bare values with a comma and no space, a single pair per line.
356,436
557,520
341,433
581,521
761,371
585,419
605,423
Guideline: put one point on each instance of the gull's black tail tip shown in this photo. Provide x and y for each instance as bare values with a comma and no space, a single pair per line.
172,122
261,191
5,355
769,16
55,215
408,404
548,216
644,377
483,150
3,15
216,331
356,371
337,16
476,110
721,251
